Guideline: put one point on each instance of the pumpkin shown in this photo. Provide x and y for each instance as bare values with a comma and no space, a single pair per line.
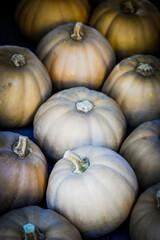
145,217
35,18
76,55
142,150
131,26
23,171
24,85
34,223
99,188
134,84
77,117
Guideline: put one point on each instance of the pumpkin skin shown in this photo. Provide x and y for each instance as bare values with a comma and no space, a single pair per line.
77,117
36,18
97,199
24,85
131,26
64,51
145,217
142,150
134,84
23,173
50,224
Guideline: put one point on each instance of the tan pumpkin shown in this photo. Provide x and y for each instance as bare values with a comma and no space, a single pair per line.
23,171
35,18
145,217
24,85
99,188
77,117
134,84
76,55
36,223
142,150
131,26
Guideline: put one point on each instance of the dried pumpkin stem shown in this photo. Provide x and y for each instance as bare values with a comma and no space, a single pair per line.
84,105
80,164
18,60
158,198
31,232
21,147
145,69
77,34
127,6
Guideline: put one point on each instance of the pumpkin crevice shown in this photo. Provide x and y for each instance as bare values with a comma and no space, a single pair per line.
158,199
77,33
31,232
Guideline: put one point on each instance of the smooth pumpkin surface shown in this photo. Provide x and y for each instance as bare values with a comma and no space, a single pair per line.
24,85
142,150
145,217
77,117
23,171
131,26
134,83
34,223
93,187
35,18
76,55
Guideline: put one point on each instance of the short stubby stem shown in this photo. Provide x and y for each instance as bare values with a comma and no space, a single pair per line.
158,199
84,105
128,6
145,69
18,60
80,164
77,33
21,147
31,232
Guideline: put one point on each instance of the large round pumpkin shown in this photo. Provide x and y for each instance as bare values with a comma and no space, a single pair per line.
76,117
94,187
76,55
142,150
24,85
23,171
33,222
131,26
35,18
145,217
134,84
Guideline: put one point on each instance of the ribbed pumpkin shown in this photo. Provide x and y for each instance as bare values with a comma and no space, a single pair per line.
131,26
77,117
134,84
142,150
145,217
35,18
36,223
23,171
94,187
24,85
76,55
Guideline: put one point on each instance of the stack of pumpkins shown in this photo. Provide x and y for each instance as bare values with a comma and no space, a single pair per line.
90,94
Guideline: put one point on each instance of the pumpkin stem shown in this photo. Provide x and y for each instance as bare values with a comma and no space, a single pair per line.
31,232
127,6
84,105
80,164
145,69
18,60
158,198
77,34
21,147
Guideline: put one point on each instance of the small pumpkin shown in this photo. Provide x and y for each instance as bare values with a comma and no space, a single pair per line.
36,223
24,85
131,26
142,150
145,217
99,188
77,117
35,18
23,171
76,55
134,83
